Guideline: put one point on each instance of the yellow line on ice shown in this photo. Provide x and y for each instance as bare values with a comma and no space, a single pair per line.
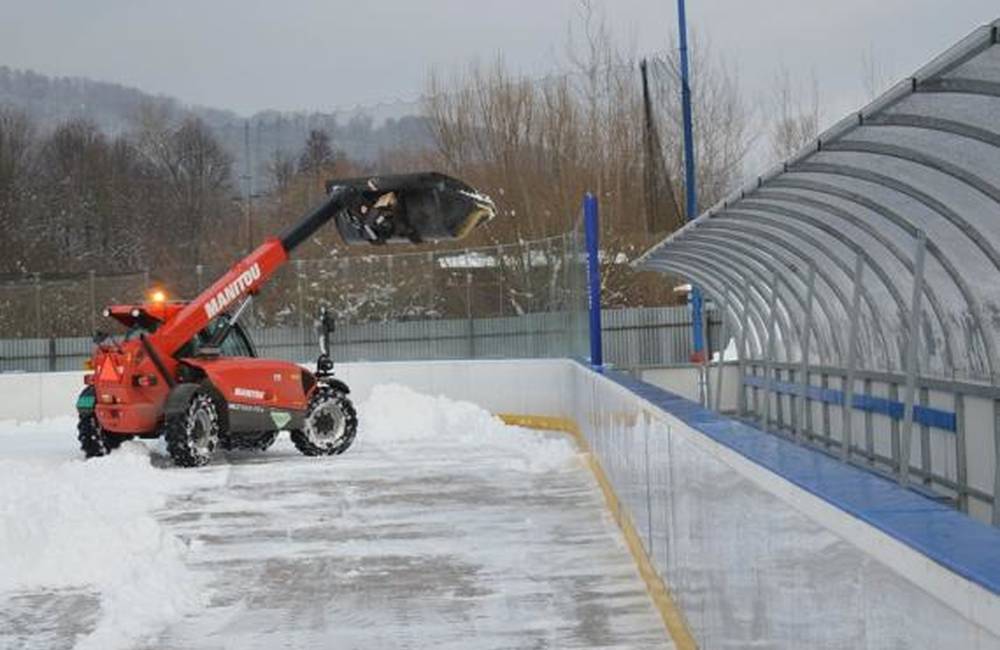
672,617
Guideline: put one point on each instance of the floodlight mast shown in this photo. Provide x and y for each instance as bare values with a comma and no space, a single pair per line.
690,178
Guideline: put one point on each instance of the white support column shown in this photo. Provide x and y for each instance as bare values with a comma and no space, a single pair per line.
847,407
913,336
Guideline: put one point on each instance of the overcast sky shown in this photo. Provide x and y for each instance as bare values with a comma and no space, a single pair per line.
249,55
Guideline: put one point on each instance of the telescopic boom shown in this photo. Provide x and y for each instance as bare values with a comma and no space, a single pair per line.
378,210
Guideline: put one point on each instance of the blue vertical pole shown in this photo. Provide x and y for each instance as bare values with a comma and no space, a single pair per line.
591,225
691,191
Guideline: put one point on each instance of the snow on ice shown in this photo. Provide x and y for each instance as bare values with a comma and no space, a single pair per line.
440,525
70,525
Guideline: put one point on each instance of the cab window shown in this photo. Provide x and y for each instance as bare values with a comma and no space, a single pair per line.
235,345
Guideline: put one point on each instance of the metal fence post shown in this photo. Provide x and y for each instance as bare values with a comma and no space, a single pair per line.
564,302
913,335
93,300
468,311
706,387
723,345
793,401
302,304
996,462
594,278
847,412
431,295
500,263
743,352
779,399
755,391
690,175
807,326
925,438
894,439
869,426
769,355
961,460
825,410
392,287
38,305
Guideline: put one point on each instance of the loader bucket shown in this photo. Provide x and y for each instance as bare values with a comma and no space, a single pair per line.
410,208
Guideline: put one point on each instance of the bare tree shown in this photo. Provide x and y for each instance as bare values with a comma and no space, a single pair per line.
874,76
17,141
281,168
196,172
317,152
795,115
537,145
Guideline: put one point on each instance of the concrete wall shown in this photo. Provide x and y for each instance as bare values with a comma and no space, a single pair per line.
752,558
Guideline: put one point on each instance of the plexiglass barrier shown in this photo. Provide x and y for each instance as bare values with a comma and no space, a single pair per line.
752,558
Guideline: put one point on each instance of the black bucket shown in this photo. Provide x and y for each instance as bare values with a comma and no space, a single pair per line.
409,208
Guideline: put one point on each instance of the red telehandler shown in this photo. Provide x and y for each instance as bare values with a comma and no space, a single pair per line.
187,371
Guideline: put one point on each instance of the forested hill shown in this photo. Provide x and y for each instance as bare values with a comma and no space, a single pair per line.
360,134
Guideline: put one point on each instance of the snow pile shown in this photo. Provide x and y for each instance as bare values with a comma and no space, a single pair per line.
76,524
102,527
395,415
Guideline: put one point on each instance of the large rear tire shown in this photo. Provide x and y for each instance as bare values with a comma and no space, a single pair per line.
192,435
94,441
331,424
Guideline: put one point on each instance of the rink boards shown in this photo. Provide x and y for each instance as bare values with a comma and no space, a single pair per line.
757,540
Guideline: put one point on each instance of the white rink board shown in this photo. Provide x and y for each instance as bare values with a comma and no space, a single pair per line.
751,559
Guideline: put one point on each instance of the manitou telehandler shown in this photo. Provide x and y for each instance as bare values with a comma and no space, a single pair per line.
187,371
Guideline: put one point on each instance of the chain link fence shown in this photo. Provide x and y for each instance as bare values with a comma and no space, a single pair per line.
524,300
633,338
542,276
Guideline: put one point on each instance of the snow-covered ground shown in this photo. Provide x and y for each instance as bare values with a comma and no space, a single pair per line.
441,527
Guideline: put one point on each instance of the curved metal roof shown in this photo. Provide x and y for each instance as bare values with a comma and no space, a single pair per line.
922,162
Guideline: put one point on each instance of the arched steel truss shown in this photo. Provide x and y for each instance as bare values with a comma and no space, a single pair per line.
919,167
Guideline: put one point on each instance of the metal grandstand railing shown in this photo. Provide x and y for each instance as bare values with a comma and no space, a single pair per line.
863,278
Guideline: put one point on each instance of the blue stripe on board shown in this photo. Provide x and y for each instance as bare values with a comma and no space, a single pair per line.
961,544
925,415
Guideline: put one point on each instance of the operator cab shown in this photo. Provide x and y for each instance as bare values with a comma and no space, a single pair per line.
237,341
146,318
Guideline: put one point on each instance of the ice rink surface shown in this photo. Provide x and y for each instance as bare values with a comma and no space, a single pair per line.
440,528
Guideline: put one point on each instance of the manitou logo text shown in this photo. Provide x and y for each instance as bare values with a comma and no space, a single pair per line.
249,393
232,291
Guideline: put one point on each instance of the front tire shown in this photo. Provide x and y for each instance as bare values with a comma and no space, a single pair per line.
331,424
193,434
94,441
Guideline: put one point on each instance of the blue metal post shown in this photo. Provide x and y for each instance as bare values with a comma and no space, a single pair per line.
691,191
591,225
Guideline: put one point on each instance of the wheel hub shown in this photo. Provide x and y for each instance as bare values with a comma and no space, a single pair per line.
326,424
200,427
